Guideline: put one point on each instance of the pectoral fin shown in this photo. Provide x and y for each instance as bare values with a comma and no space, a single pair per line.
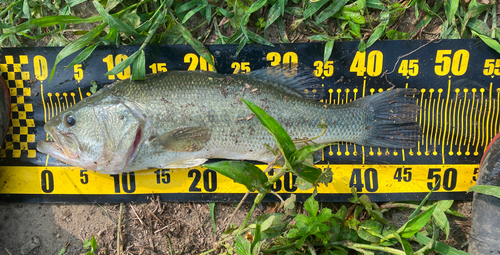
187,139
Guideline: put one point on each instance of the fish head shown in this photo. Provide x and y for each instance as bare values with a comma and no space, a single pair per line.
102,135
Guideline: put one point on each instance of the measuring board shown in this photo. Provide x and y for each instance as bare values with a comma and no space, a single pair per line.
459,99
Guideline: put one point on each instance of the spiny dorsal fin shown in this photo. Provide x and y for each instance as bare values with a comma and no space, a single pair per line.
185,139
299,82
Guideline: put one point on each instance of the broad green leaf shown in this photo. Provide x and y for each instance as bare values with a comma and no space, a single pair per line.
377,34
197,45
414,225
353,16
355,29
328,52
302,184
82,56
77,45
313,8
256,6
281,137
242,246
331,10
341,213
310,174
324,215
311,206
267,223
370,231
483,188
450,8
375,4
439,247
26,10
93,243
441,220
444,204
479,26
242,172
273,15
273,224
406,245
114,22
110,4
396,35
282,6
124,64
306,151
258,39
486,189
139,67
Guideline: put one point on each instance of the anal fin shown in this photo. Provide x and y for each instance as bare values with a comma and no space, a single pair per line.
186,163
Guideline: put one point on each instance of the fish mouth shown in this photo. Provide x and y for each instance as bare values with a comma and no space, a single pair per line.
62,147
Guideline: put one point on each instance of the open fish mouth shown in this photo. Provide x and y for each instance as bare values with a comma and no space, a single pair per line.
62,147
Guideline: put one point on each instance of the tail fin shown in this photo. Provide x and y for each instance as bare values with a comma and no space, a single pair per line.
393,115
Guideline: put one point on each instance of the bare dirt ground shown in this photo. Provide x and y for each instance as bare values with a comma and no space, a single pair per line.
158,227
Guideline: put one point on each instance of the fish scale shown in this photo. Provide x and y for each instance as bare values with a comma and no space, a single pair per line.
181,119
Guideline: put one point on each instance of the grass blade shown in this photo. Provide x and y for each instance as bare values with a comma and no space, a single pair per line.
496,46
139,68
330,10
313,8
114,22
486,189
212,215
77,45
197,45
82,56
192,12
441,248
282,6
281,137
124,64
414,225
274,14
328,50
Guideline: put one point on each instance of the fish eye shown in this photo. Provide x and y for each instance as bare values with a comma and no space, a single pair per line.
70,120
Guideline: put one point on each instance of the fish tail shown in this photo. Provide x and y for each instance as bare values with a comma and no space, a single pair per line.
391,119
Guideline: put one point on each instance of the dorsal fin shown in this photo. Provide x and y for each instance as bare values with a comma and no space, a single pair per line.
296,81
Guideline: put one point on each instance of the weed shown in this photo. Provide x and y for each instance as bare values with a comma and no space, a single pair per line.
319,230
90,245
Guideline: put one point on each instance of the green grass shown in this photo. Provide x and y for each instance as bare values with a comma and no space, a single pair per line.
120,22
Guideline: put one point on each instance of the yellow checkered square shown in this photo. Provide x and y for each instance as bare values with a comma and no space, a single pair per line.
20,140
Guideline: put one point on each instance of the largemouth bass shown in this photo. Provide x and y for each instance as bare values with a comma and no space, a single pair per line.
180,119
